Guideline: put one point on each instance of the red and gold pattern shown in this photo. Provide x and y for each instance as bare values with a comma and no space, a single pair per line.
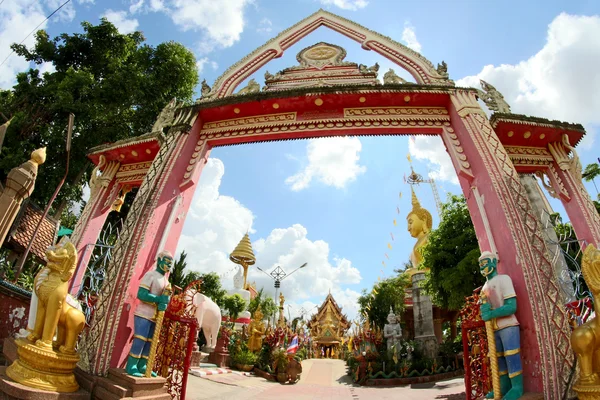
475,349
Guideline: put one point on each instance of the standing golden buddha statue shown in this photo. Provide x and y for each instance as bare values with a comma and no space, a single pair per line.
256,330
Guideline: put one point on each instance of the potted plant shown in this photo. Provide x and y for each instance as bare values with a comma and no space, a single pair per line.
245,360
280,363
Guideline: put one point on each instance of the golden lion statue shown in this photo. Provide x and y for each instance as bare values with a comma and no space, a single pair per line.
585,340
55,307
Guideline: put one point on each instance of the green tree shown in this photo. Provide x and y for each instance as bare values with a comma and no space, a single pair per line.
385,294
267,304
234,305
591,172
114,83
178,276
211,287
451,255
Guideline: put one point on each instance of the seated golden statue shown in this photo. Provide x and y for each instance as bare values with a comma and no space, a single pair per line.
256,330
585,340
419,222
53,309
42,363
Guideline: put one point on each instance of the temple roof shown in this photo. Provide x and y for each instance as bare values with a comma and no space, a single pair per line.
128,151
337,310
23,227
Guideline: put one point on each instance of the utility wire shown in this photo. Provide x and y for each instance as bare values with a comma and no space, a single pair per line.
35,29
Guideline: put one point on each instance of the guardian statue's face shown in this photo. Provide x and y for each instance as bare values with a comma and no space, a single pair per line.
164,264
487,266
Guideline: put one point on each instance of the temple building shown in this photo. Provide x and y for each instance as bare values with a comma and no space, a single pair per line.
327,328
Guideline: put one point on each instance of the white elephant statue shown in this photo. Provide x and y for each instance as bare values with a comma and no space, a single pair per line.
208,315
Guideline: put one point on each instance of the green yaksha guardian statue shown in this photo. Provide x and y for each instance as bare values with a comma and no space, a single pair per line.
152,299
501,308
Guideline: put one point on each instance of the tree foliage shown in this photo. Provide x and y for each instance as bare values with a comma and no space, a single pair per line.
234,305
385,294
267,304
591,172
451,255
114,84
211,287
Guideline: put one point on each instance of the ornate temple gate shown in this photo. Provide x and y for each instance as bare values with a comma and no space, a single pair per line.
483,151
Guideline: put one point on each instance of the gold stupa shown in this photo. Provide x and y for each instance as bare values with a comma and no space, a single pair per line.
243,255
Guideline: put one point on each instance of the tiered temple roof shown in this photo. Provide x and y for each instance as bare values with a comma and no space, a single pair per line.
328,324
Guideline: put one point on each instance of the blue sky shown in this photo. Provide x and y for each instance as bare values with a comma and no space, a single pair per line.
543,56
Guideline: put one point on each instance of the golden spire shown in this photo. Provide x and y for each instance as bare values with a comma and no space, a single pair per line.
244,256
243,253
415,202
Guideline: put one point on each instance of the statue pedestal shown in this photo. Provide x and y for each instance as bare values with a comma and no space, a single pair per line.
10,390
429,345
119,385
220,355
43,369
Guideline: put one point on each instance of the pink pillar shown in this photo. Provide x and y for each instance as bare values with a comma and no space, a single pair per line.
580,208
503,217
88,228
170,183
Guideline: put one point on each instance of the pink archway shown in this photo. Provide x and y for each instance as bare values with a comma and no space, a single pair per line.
483,155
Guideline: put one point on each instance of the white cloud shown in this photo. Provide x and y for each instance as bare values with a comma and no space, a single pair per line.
346,4
332,161
433,150
46,67
135,6
561,81
203,61
157,5
17,19
265,26
409,36
222,21
216,223
120,20
65,14
86,1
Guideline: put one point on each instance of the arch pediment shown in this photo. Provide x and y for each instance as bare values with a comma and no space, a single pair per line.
418,66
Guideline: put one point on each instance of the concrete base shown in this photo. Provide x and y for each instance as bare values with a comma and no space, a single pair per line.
222,360
198,357
9,350
429,345
119,385
10,390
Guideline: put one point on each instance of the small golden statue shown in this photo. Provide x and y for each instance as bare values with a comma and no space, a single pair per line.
585,340
42,363
256,330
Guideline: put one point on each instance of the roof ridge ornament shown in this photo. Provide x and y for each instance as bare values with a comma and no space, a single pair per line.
492,98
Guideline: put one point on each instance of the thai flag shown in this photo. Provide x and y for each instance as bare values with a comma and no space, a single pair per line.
293,347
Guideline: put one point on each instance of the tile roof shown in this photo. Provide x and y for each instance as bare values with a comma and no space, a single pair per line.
24,226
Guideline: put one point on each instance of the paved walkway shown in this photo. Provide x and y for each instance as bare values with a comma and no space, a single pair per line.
321,379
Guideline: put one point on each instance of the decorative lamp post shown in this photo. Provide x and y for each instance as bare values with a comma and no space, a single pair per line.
244,256
278,274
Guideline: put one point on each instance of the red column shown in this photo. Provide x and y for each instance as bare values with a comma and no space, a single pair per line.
512,226
580,208
170,181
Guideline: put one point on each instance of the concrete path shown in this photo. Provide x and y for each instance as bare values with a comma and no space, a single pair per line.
321,379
